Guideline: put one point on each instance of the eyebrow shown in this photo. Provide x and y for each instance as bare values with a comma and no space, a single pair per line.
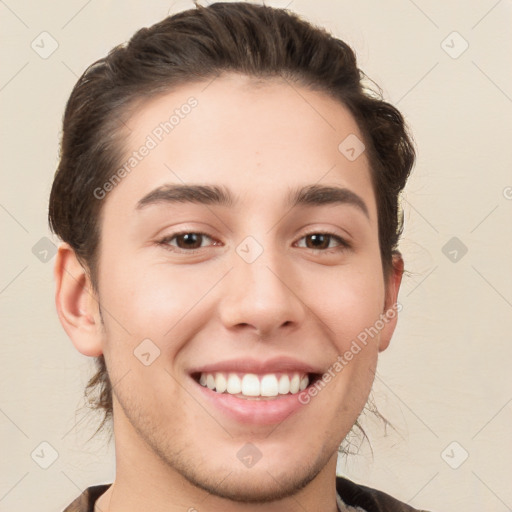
309,195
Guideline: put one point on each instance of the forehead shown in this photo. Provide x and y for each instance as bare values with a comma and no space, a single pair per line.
258,137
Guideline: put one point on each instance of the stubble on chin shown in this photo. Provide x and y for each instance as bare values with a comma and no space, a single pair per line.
251,485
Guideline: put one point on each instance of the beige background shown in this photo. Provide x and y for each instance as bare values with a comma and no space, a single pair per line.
445,378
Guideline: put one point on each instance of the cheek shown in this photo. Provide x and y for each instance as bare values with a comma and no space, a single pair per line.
349,301
151,300
131,288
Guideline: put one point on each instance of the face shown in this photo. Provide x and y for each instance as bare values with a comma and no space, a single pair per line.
224,306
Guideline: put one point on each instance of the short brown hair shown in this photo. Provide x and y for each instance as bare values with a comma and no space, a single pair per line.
196,45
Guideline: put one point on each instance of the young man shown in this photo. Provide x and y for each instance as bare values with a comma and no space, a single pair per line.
227,200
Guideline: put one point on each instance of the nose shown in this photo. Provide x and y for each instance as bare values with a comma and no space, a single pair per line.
262,297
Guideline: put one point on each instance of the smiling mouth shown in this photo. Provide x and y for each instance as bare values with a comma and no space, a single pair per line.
251,386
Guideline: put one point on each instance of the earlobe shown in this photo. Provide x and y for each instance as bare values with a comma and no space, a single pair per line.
390,308
76,303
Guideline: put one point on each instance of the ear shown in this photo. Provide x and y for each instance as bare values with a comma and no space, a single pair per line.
77,305
390,313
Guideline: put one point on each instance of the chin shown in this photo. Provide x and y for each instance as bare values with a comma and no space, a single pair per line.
256,486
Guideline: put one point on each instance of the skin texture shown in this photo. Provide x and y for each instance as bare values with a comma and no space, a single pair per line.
174,450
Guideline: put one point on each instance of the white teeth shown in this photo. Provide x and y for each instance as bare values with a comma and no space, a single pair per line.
210,381
234,384
252,385
221,383
269,386
284,385
295,384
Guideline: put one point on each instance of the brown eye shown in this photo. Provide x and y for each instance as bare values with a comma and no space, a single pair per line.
323,241
189,240
186,241
318,241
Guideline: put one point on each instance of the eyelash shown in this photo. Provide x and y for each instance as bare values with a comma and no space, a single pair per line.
164,242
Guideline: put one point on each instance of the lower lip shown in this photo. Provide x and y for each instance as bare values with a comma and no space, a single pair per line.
253,412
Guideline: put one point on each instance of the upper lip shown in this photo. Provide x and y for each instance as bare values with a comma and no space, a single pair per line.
248,365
